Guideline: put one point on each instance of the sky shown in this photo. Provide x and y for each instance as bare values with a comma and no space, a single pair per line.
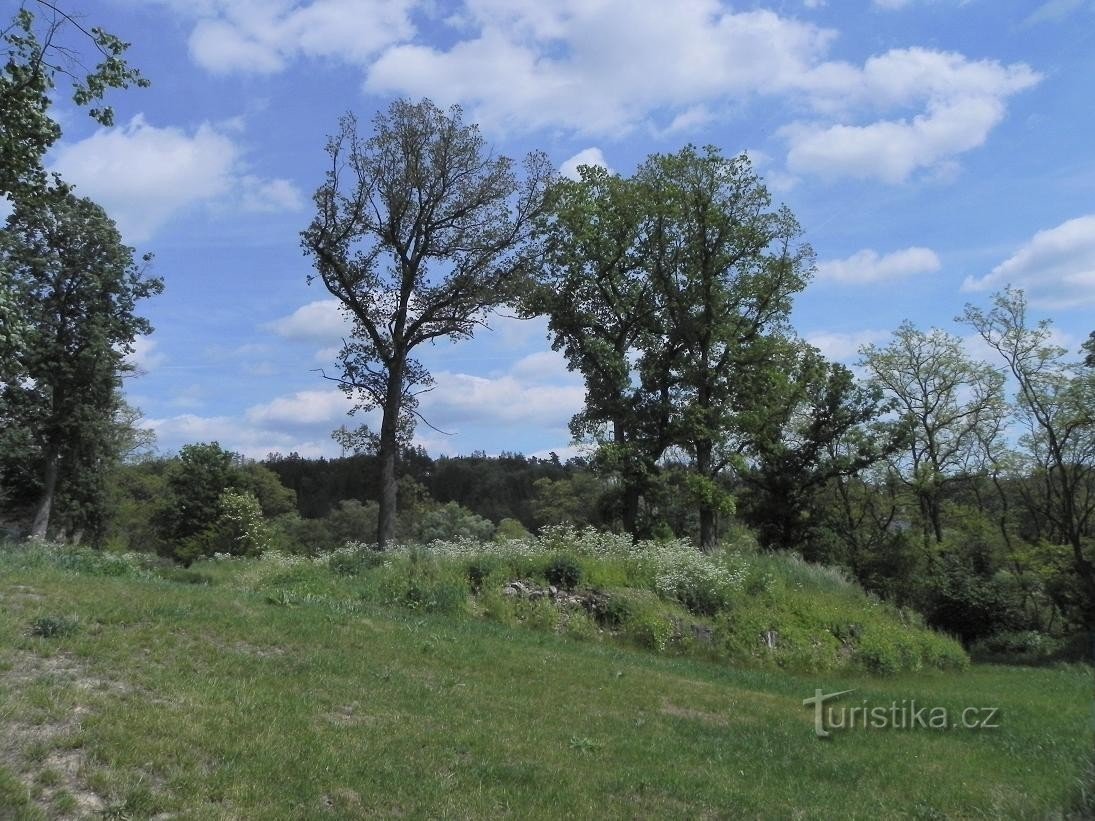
934,151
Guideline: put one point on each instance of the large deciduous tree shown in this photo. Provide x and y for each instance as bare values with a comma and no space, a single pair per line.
955,407
39,48
419,230
724,265
1056,408
78,287
593,287
812,424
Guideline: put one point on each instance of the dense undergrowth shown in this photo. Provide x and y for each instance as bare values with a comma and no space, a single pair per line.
738,605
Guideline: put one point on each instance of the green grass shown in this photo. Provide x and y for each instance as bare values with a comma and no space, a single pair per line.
209,701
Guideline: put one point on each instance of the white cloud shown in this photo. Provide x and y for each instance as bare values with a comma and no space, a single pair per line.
869,266
461,398
321,321
1056,267
302,408
261,36
959,103
587,156
543,366
144,175
269,196
610,67
145,357
530,65
255,443
844,346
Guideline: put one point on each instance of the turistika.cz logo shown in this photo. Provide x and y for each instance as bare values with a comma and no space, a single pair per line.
897,715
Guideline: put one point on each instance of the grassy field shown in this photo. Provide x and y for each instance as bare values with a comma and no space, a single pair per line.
142,697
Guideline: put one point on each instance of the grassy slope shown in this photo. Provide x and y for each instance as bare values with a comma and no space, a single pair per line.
210,702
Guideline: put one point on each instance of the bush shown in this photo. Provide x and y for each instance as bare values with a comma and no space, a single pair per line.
355,562
452,521
480,568
50,627
563,570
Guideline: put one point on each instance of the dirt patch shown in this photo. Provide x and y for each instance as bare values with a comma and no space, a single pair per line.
33,747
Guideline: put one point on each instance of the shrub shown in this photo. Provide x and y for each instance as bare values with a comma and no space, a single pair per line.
479,568
50,627
563,570
498,608
510,529
452,521
580,625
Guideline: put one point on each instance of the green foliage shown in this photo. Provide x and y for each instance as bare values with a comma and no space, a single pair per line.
240,529
356,562
510,528
78,287
1018,646
412,260
36,53
564,571
451,521
353,521
196,481
419,582
572,501
52,627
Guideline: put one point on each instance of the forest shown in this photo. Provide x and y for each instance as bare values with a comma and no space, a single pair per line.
956,485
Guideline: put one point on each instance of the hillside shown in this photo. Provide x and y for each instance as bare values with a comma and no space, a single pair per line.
128,693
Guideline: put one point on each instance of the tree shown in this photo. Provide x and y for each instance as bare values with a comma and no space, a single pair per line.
724,267
954,404
418,232
813,424
36,54
1056,408
598,297
78,287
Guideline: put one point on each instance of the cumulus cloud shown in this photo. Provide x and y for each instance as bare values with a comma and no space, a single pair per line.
234,434
302,408
961,102
144,175
1056,267
869,266
461,398
322,321
529,65
587,156
262,36
608,68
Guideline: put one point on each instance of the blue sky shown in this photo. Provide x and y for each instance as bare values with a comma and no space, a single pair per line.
933,150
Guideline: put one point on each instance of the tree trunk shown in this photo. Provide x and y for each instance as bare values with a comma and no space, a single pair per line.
389,452
630,512
709,522
40,527
631,489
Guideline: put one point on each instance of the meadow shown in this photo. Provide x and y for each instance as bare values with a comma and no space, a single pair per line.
283,687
